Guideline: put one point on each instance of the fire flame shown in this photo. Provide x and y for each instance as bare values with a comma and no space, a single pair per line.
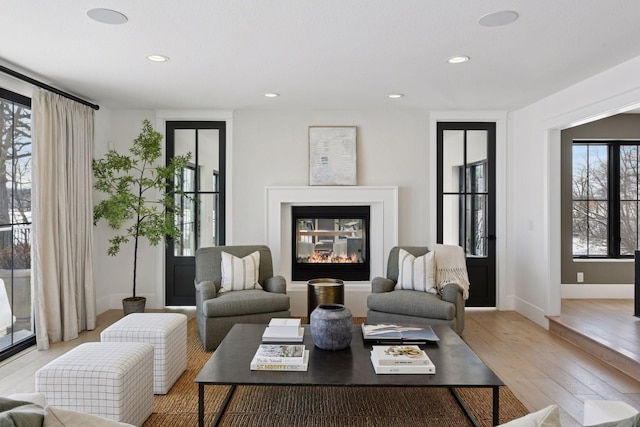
319,257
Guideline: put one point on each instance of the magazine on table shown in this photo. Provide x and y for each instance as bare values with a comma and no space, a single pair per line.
392,333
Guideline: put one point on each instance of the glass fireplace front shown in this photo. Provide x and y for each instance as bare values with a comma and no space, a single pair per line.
330,242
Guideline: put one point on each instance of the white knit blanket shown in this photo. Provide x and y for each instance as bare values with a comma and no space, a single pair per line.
451,267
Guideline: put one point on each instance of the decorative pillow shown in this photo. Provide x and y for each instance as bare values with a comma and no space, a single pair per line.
37,398
610,413
416,274
57,417
240,273
546,417
16,413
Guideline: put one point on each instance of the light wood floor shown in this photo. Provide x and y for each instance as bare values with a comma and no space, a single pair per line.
542,368
539,367
609,322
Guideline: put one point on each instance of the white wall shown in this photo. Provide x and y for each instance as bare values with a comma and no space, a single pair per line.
114,274
267,148
534,252
271,148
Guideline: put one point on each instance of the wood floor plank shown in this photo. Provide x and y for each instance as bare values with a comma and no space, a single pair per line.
561,397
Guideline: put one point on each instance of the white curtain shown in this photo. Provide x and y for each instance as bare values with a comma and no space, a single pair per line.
62,206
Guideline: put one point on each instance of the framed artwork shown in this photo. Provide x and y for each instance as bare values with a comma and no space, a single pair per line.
332,155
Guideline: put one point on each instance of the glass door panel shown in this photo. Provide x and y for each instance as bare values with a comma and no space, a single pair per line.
466,207
208,204
208,159
452,206
452,159
476,227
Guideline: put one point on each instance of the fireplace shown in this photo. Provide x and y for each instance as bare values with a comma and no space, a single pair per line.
330,242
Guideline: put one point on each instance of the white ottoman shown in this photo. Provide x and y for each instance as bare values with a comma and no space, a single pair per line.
168,334
111,380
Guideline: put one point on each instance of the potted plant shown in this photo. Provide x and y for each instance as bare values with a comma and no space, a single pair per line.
140,198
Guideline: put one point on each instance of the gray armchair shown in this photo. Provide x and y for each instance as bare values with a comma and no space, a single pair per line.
386,305
218,312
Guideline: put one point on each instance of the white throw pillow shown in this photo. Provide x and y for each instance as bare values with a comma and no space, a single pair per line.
240,273
546,417
416,274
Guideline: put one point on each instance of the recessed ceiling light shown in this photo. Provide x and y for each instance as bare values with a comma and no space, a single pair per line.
497,19
395,95
458,59
107,16
271,95
157,58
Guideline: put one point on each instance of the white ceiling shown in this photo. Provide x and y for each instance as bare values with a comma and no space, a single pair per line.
318,54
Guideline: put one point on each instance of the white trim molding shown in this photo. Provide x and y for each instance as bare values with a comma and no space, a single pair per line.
608,291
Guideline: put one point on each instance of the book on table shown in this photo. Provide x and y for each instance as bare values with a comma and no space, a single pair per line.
275,366
401,359
391,333
284,326
283,330
286,357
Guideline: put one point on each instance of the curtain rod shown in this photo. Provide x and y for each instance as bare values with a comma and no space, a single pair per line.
46,86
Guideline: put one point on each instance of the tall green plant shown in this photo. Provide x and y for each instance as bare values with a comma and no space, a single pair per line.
140,201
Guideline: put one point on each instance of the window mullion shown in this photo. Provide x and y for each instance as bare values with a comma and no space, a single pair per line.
614,199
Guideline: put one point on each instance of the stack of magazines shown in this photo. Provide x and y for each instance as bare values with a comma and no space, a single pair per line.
280,357
401,359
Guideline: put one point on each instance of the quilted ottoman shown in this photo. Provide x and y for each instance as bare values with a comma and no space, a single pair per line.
108,379
168,334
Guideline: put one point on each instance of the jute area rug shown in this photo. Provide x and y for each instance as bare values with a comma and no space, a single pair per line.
321,406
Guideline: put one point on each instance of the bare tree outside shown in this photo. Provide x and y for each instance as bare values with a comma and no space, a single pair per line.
15,220
590,195
590,200
15,185
628,199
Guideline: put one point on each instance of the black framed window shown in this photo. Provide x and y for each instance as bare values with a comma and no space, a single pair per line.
605,198
17,330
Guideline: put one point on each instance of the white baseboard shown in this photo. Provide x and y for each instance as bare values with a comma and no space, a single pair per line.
611,291
531,312
102,305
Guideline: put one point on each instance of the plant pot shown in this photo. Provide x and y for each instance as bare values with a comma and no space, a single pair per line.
331,326
133,305
18,287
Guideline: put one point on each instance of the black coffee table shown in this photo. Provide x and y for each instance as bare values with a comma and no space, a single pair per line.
457,366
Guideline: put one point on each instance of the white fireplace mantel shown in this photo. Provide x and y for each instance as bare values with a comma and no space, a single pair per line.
383,228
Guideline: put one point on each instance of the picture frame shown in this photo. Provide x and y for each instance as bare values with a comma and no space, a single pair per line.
332,155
